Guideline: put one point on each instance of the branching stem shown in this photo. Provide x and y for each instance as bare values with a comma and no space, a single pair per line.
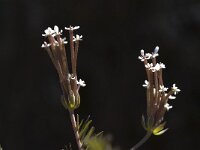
142,141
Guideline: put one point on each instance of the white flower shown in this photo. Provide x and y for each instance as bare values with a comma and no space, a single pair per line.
156,49
56,30
148,56
77,38
163,89
48,31
144,55
175,89
162,66
45,45
81,83
64,40
72,28
155,68
155,53
172,97
167,106
142,52
146,84
149,65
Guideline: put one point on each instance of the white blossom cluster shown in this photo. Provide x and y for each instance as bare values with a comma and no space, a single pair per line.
56,32
54,36
157,94
154,68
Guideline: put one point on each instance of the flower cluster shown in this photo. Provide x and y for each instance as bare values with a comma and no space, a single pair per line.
57,52
157,94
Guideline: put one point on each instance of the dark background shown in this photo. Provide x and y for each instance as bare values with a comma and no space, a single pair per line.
114,31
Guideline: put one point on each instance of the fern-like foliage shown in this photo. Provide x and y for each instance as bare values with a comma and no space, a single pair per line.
90,139
86,131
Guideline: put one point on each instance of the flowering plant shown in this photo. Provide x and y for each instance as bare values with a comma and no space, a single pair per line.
157,94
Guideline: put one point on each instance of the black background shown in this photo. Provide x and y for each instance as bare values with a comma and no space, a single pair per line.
114,31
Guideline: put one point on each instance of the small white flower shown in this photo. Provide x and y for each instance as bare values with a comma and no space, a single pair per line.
142,52
155,53
149,65
144,56
172,97
64,40
146,84
162,66
175,89
77,38
48,31
72,28
141,57
148,56
155,68
167,106
56,30
156,49
163,89
81,83
45,45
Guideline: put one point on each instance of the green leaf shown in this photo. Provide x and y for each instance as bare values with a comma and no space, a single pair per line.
160,129
80,125
89,134
99,134
85,128
88,137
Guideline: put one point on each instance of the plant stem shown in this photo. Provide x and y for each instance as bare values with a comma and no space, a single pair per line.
142,141
75,129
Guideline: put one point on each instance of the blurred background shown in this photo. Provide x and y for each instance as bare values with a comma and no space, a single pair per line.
114,32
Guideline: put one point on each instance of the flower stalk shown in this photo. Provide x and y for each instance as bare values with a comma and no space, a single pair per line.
68,80
157,96
142,141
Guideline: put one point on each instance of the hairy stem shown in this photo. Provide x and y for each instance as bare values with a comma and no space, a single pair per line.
74,126
142,141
